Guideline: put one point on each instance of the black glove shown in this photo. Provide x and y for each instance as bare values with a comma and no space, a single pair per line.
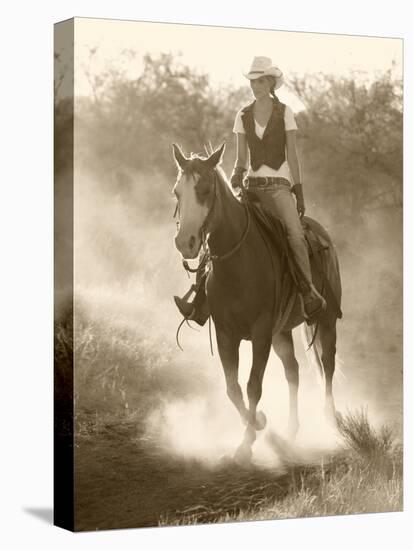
297,189
237,176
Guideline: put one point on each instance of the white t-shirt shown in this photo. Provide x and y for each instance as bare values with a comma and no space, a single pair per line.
264,170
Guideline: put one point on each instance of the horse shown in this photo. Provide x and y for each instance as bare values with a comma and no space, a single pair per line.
243,286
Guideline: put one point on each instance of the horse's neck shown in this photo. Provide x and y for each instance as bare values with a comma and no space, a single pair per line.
231,224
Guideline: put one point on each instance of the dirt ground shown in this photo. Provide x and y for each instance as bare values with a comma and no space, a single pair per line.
125,479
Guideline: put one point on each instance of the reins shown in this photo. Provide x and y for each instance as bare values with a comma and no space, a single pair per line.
237,246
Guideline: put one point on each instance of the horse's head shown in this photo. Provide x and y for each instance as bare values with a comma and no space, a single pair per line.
195,191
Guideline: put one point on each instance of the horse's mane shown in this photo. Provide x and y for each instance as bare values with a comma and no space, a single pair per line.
202,156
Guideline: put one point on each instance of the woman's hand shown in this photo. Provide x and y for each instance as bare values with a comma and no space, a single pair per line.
297,189
236,180
237,177
294,166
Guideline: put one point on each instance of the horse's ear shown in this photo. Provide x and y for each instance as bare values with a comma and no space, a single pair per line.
216,157
179,157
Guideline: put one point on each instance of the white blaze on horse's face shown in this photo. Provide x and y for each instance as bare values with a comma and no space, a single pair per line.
192,214
195,192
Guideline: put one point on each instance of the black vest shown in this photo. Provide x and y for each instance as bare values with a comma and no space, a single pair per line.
269,150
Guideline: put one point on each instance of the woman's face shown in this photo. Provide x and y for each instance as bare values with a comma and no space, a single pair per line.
261,86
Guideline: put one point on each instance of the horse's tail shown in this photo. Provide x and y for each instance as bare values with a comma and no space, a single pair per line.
312,346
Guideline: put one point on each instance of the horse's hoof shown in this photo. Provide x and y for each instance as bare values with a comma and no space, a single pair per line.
260,420
243,455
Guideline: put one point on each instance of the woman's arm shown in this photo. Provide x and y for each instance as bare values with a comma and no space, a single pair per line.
293,163
292,156
242,151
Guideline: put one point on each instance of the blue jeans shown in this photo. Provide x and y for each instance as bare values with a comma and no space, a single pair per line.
278,199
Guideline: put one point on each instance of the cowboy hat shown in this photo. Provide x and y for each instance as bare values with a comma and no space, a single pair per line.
262,66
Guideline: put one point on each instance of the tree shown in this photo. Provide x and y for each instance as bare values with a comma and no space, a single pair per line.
353,129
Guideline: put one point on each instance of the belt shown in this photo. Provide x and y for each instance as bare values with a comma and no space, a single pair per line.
262,181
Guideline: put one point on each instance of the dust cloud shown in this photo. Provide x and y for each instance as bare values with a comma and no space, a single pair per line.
127,271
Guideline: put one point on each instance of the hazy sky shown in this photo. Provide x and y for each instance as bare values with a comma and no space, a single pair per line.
224,53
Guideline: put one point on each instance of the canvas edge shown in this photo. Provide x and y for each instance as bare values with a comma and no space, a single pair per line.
63,443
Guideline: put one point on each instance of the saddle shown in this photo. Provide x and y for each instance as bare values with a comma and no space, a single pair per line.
316,242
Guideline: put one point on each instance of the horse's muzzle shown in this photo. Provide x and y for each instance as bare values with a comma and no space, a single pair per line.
188,247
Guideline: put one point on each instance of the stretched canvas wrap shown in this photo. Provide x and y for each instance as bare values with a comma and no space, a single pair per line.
179,154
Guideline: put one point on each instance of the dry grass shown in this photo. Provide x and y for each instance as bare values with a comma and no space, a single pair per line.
122,370
365,477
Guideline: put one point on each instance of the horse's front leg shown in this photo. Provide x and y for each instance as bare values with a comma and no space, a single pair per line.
261,345
284,348
228,349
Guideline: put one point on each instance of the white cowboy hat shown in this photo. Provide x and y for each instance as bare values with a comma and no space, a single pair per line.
262,66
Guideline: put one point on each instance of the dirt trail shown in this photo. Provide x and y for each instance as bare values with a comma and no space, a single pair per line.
124,480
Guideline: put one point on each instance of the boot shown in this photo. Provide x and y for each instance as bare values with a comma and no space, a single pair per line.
198,310
183,304
314,304
186,308
201,311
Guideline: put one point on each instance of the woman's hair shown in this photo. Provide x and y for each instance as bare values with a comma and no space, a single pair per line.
272,82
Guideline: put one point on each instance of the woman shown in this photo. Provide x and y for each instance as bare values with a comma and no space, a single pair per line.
266,129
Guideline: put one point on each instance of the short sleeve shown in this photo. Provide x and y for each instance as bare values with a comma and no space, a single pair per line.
238,124
289,119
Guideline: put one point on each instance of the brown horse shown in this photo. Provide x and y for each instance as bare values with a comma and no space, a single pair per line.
243,289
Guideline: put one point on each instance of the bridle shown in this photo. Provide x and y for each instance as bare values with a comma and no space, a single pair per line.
204,226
